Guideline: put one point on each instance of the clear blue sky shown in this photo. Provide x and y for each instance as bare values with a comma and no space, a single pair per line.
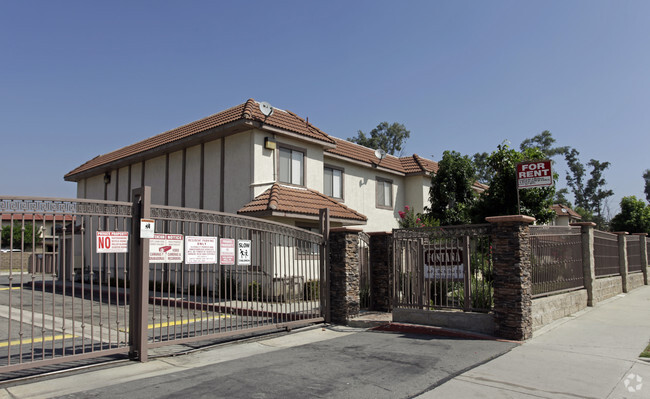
83,78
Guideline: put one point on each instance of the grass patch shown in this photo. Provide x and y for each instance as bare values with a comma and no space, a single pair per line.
646,352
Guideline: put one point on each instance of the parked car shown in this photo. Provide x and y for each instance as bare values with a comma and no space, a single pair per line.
6,250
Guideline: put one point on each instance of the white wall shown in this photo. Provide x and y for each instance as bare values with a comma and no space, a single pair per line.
237,171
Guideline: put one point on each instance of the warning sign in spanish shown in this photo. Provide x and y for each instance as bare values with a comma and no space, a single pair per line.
227,251
166,248
112,242
534,174
200,250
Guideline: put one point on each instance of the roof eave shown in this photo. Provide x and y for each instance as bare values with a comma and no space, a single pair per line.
234,127
372,165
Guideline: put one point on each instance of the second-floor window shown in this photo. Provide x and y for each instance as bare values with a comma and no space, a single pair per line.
333,182
291,166
384,193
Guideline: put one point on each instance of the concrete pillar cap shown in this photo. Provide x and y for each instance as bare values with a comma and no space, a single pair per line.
510,218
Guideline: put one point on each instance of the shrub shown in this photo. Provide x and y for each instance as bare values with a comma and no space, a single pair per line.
311,290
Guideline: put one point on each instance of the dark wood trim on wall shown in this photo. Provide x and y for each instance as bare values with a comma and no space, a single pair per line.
142,175
117,185
222,173
129,186
202,173
167,179
183,177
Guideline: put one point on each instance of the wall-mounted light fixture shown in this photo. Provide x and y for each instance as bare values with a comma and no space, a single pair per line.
270,143
107,178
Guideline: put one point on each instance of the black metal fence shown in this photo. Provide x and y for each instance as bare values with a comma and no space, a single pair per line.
443,267
633,246
556,258
606,254
76,280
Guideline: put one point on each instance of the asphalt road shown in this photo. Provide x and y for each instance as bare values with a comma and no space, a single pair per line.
361,364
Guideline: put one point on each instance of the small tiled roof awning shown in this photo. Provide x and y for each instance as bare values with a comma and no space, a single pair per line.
300,203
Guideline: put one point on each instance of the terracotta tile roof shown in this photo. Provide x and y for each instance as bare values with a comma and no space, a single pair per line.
249,110
412,164
563,210
299,200
417,164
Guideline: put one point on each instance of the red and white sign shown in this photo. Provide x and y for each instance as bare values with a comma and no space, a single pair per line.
227,251
166,248
200,250
112,242
534,174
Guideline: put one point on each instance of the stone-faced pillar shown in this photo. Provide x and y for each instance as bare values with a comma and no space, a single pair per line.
643,246
381,271
512,273
588,260
622,257
344,274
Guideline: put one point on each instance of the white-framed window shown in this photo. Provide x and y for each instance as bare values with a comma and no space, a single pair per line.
384,193
292,166
333,182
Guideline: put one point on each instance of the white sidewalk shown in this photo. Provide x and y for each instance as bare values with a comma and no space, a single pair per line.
593,354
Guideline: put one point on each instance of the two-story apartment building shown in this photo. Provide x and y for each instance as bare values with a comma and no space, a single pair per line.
278,167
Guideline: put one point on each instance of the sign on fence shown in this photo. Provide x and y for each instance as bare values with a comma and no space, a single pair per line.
166,248
200,250
244,252
534,174
227,251
112,242
444,263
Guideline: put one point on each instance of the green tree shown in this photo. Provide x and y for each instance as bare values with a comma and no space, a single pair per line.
589,194
646,177
483,170
560,197
451,196
501,196
544,141
390,138
633,218
18,236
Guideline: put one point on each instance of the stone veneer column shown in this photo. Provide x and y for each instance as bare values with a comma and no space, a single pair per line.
588,260
344,274
381,271
512,272
622,257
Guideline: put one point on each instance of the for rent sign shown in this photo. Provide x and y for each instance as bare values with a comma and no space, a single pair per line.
534,174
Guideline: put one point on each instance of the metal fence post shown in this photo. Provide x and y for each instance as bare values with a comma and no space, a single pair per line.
467,259
139,284
324,222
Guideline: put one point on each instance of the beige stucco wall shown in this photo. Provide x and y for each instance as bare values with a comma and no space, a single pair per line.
212,165
237,171
123,185
155,177
193,177
359,193
175,178
417,192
